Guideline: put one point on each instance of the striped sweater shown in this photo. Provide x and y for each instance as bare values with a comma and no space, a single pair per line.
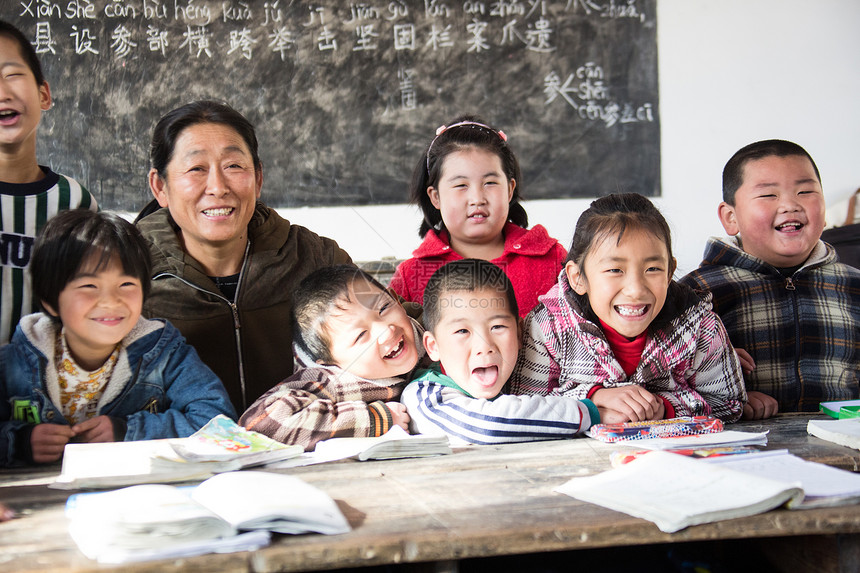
24,209
436,405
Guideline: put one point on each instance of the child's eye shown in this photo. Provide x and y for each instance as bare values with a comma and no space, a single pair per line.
613,271
654,269
361,336
499,327
461,331
384,307
129,284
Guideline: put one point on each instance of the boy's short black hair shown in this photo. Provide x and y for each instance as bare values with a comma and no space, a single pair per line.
28,52
466,275
314,299
70,238
733,172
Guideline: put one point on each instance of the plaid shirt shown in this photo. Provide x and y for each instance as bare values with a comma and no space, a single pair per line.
803,331
689,363
323,402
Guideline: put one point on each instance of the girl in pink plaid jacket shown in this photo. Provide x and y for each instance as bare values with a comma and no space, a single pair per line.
618,330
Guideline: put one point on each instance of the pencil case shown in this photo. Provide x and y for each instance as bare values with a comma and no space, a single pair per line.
670,428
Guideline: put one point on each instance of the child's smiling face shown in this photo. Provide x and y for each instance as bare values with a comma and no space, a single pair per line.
22,100
98,308
626,281
370,334
778,210
473,196
477,340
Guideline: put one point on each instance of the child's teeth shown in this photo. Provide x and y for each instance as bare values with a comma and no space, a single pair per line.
218,212
627,311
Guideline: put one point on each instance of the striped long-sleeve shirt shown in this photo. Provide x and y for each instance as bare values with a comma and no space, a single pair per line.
436,405
24,210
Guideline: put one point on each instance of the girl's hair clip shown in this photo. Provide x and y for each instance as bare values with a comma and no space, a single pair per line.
443,128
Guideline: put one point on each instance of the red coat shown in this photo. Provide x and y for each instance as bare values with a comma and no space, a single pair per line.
532,260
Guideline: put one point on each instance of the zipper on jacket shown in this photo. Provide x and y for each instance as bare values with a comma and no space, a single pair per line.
789,284
234,309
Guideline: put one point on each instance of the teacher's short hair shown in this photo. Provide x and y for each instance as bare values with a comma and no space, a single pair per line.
173,123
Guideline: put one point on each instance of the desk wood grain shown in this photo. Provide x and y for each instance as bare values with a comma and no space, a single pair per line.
477,502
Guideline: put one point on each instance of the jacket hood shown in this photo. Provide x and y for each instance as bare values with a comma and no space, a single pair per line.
727,251
41,330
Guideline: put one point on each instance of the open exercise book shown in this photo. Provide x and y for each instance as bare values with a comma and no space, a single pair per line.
221,445
676,491
393,444
157,521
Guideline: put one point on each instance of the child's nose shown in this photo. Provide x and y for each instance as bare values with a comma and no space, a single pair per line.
385,334
635,285
483,345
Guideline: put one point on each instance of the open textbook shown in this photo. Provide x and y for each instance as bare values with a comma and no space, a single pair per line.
219,446
823,485
156,521
395,443
675,491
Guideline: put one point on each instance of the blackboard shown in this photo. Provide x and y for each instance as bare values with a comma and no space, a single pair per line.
347,95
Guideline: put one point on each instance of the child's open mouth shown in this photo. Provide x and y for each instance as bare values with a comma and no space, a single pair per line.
396,352
8,115
486,376
632,311
790,227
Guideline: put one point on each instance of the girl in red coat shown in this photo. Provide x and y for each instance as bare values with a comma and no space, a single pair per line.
467,187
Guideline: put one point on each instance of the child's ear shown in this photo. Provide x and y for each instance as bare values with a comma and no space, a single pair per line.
49,309
575,277
430,346
433,193
728,218
520,332
673,265
511,186
45,100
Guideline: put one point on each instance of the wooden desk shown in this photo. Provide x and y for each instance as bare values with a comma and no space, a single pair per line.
477,502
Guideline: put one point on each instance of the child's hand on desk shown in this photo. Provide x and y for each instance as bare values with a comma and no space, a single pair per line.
48,441
759,406
610,416
632,401
98,429
399,415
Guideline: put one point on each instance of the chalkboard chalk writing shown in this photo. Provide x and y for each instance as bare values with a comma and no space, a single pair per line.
347,95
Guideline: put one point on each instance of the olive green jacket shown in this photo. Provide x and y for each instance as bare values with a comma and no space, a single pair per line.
247,343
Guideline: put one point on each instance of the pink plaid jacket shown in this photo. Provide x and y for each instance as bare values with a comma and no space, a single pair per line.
689,362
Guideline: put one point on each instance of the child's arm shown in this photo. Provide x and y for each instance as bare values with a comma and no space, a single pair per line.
303,413
192,395
507,418
713,377
537,371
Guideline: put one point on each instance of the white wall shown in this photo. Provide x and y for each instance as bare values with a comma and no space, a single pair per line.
731,72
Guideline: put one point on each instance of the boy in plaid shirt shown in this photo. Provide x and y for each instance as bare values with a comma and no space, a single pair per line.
789,306
358,347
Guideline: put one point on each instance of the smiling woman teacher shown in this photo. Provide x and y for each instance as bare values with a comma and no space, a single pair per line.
224,264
